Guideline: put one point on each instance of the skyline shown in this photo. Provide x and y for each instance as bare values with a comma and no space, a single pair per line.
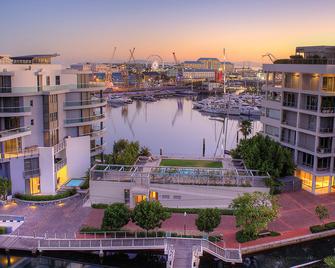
84,30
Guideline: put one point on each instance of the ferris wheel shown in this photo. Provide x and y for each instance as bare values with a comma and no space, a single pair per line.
154,62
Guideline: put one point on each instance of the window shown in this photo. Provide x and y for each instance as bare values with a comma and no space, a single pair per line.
153,195
32,122
272,113
5,83
178,197
126,196
57,80
139,198
306,178
165,196
321,184
31,103
272,131
35,187
47,80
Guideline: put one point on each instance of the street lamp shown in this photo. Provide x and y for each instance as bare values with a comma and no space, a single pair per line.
185,214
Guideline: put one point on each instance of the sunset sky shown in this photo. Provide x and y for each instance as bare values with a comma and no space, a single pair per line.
87,30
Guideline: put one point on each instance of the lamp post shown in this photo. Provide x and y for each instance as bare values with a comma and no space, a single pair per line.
185,214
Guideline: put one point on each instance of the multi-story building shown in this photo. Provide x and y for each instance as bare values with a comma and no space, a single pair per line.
51,123
210,64
199,74
299,112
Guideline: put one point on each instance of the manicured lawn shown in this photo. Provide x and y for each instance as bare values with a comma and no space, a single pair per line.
190,163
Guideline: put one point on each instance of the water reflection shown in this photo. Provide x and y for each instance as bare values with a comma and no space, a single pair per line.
171,124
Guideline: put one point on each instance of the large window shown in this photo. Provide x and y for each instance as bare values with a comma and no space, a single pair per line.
272,131
273,113
306,179
328,83
321,184
5,83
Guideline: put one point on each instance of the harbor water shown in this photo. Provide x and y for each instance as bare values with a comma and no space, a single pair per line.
173,126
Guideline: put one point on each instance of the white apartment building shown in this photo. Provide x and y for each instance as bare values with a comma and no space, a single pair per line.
299,112
51,123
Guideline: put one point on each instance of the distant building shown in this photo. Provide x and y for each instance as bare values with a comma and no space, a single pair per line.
299,112
51,123
200,74
209,63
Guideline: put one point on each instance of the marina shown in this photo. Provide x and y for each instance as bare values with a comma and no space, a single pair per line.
180,128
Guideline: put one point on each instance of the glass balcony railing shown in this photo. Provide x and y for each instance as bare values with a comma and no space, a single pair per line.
51,88
15,109
94,132
84,102
84,119
14,131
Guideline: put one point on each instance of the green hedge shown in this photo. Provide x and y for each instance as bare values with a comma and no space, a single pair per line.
322,228
61,195
3,230
224,211
242,237
99,206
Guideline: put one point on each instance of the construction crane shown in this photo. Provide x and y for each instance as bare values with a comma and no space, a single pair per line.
179,68
131,55
109,71
270,56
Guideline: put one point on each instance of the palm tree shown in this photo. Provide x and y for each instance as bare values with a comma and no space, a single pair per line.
245,128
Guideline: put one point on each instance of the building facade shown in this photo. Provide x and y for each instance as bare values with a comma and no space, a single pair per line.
51,123
209,64
299,112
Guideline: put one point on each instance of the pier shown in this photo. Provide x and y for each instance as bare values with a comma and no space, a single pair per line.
181,252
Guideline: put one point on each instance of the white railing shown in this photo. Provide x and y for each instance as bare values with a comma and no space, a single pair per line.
59,147
14,131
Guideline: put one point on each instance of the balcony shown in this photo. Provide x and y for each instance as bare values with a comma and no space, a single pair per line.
318,61
94,103
27,174
324,150
29,152
91,86
95,133
59,164
76,122
15,111
98,149
14,133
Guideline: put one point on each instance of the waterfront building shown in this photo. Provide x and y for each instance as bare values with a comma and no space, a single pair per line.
51,123
199,74
299,112
210,64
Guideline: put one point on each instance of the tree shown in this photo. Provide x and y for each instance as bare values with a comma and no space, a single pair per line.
145,151
208,219
116,216
322,213
5,187
149,214
245,128
330,261
253,212
124,153
266,155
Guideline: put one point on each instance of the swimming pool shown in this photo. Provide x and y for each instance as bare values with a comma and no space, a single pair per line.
74,182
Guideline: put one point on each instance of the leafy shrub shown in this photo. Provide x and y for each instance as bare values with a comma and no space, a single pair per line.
116,216
243,237
3,230
330,225
85,185
208,219
61,195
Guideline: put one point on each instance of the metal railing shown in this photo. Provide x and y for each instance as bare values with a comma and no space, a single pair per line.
59,147
31,173
60,164
84,102
319,61
94,132
78,87
14,131
21,153
84,119
22,109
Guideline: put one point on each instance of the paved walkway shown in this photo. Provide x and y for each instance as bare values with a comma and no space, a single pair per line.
296,215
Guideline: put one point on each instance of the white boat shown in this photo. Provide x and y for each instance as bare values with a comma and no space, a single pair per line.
250,111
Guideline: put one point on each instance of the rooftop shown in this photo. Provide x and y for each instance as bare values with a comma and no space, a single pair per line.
34,59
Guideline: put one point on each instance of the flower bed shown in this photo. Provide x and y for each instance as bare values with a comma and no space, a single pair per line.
42,198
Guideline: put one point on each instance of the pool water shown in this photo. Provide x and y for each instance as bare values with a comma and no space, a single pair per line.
75,182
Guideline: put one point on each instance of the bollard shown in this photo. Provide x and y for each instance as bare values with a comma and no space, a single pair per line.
203,147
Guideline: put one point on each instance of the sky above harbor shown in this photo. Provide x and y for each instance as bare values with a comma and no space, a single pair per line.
88,30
